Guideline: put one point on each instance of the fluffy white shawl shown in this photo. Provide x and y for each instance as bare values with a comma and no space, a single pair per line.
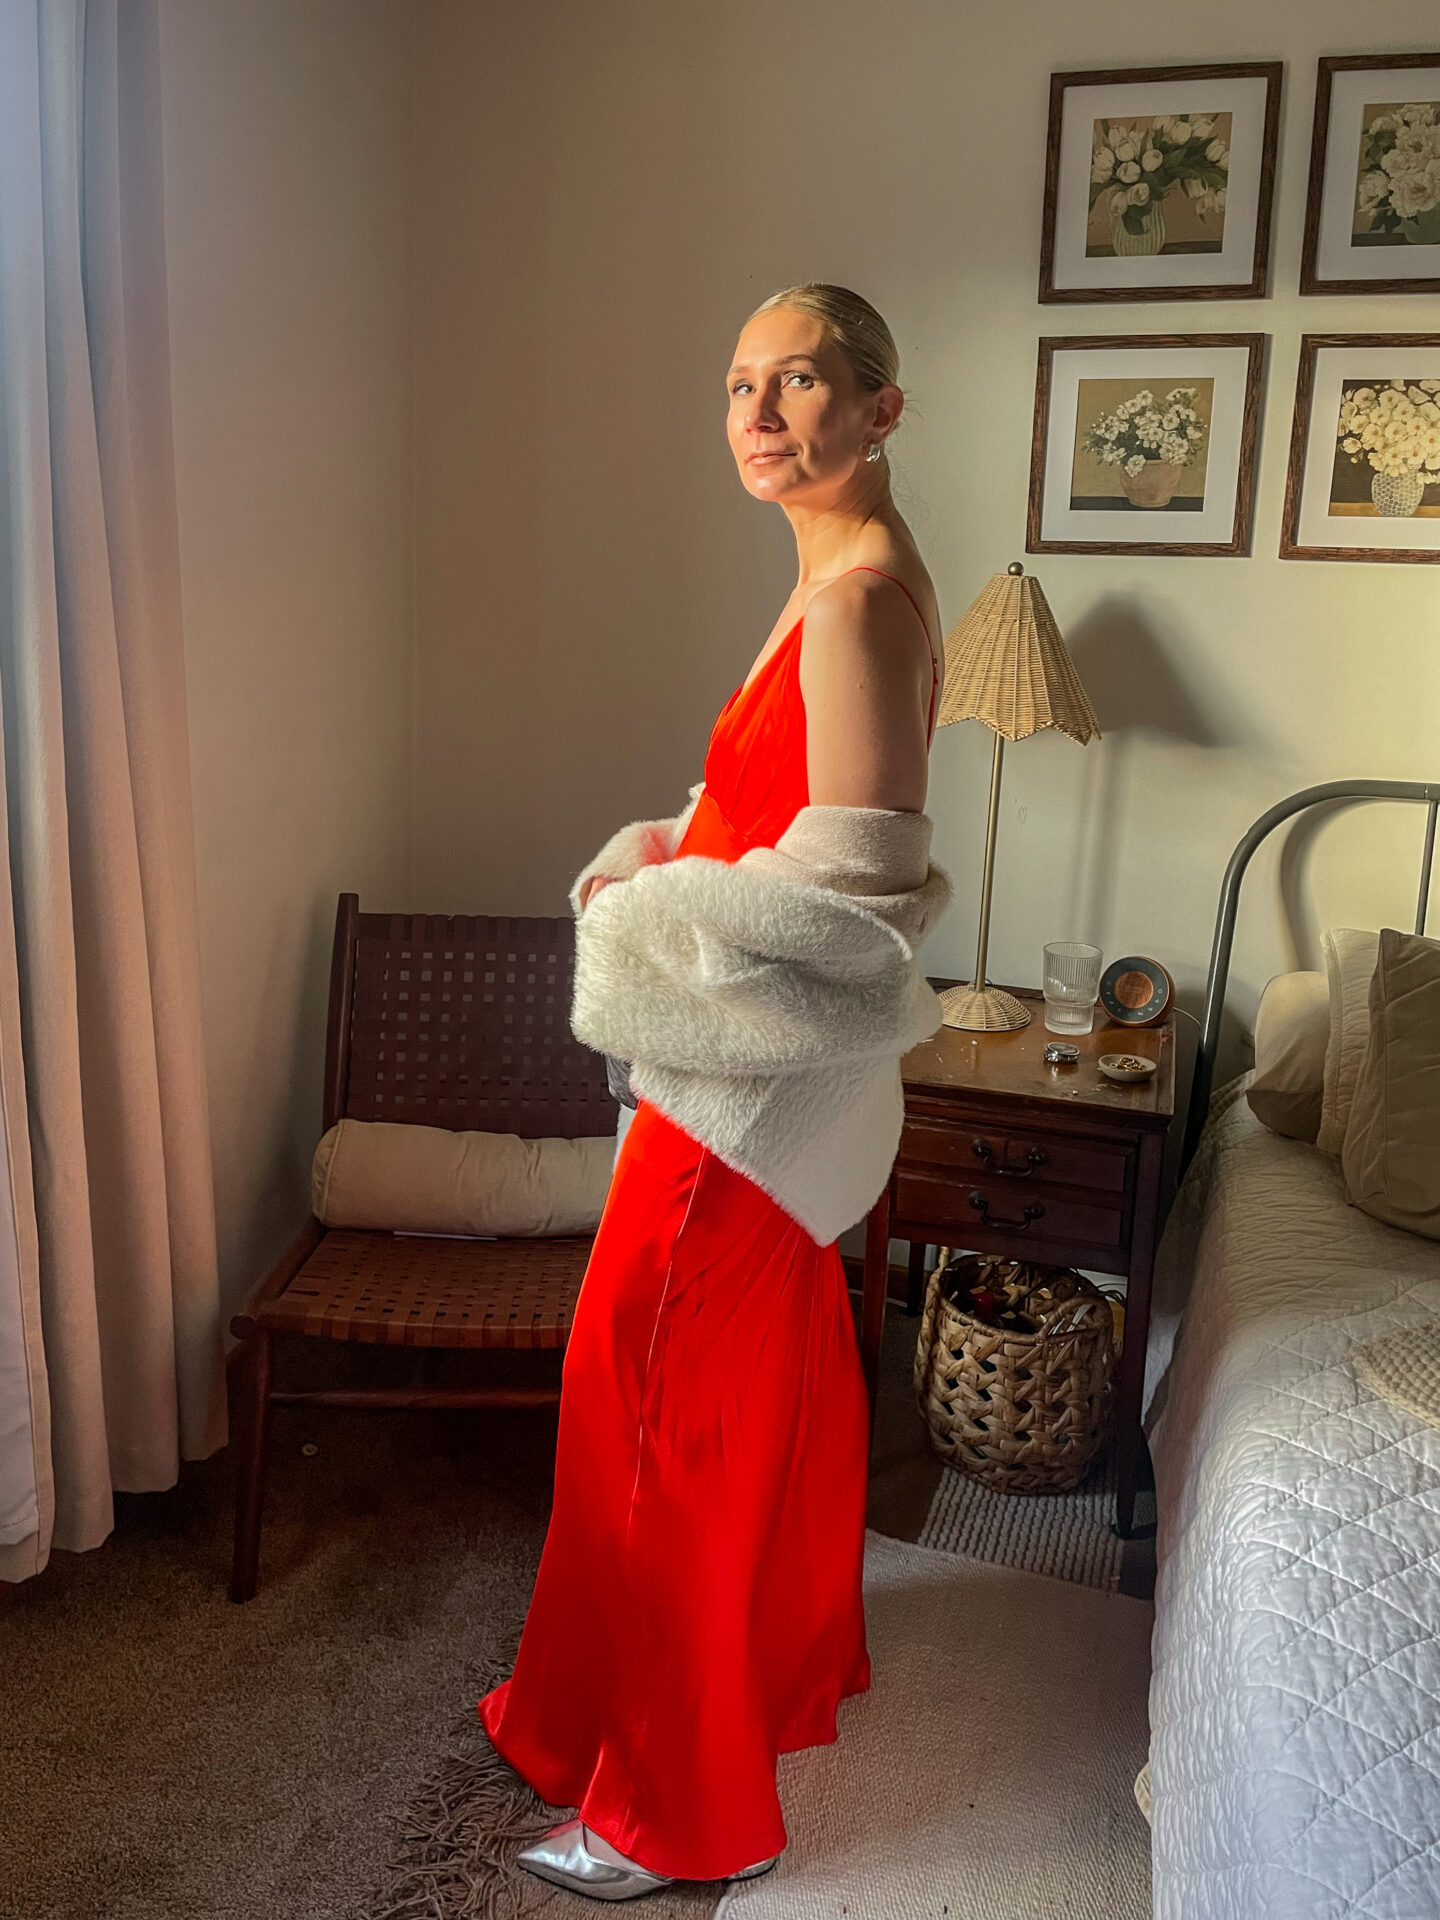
764,1003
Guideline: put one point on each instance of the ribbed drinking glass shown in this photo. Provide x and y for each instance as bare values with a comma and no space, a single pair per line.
1072,985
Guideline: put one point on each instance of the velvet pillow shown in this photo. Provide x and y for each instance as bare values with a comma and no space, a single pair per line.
1292,1031
1349,967
1391,1156
408,1179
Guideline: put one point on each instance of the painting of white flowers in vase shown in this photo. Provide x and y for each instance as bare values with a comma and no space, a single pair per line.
1144,443
1372,214
1158,184
1141,446
1364,475
1387,452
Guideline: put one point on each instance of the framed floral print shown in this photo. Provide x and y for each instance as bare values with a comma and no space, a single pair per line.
1158,183
1372,217
1144,444
1364,476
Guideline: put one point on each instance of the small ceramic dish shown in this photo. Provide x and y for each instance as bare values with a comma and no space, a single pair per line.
1125,1067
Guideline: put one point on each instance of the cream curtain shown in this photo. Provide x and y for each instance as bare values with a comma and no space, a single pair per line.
111,1369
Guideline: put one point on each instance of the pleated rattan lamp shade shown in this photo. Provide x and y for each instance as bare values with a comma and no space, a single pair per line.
1007,664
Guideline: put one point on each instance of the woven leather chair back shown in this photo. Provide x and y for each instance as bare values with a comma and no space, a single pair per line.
460,1021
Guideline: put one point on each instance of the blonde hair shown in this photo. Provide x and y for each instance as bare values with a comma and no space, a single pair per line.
852,323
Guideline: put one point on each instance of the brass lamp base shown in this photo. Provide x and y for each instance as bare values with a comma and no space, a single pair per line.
982,1009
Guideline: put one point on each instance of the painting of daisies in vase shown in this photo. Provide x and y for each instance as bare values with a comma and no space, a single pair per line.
1397,191
1158,184
1141,447
1387,450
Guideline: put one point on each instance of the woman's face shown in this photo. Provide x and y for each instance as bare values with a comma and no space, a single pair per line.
799,422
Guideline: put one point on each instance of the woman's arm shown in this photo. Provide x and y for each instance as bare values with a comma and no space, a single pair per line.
865,677
640,843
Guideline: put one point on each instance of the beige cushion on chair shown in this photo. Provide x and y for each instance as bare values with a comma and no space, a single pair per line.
1391,1157
410,1179
1349,967
1292,1031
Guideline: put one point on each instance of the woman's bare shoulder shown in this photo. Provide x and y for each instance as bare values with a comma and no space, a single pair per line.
866,683
870,614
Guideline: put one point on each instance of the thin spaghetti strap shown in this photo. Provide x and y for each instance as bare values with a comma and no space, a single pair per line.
934,667
862,568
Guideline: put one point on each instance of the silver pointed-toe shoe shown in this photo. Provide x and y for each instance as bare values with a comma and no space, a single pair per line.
561,1856
754,1873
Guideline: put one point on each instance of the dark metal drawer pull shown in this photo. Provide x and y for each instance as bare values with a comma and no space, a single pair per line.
1034,1211
1036,1157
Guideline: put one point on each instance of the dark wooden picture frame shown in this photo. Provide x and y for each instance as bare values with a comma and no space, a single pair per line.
1290,544
1253,288
1253,344
1331,64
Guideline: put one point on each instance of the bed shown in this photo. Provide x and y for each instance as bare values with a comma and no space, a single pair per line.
1295,1696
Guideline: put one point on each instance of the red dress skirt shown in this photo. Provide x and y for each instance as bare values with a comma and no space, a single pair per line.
697,1609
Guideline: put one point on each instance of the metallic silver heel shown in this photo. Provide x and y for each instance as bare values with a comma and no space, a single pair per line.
562,1857
754,1873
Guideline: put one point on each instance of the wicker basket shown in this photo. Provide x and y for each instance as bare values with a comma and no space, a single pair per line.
1023,1412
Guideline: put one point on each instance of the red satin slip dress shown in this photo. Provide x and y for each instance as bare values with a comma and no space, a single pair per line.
697,1609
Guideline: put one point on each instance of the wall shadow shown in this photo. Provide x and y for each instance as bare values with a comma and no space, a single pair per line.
1136,690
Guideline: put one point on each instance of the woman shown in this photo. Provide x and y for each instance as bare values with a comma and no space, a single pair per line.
697,1609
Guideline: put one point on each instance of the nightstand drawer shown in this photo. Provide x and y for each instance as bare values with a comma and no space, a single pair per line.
1015,1156
1028,1211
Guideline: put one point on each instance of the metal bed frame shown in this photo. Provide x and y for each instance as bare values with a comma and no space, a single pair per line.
1426,793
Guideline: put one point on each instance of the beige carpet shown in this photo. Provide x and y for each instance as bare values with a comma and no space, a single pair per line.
989,1772
166,1755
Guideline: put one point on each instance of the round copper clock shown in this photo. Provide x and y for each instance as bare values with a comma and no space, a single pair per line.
1136,992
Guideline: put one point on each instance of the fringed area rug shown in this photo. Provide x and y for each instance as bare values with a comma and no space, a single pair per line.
1065,1535
458,1837
989,1772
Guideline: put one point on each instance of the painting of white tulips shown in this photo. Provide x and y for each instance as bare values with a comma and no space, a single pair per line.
1158,183
1372,215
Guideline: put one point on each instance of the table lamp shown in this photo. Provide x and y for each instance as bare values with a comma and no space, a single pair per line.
1006,664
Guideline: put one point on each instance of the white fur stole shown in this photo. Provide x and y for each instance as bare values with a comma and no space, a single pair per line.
764,1003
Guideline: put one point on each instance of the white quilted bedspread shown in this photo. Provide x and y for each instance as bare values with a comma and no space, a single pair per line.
1295,1699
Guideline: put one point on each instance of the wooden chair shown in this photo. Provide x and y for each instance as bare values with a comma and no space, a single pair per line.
443,1021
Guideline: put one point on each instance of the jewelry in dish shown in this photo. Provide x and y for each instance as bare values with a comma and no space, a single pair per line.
1126,1066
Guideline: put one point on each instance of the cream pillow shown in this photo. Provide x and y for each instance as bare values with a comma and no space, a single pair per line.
1349,967
408,1179
1292,1030
1391,1157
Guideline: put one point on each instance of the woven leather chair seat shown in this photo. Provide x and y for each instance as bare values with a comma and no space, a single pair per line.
403,1290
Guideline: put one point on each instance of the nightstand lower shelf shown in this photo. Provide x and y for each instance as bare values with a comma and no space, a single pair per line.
1003,1154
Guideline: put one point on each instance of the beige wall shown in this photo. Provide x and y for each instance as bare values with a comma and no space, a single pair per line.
287,148
603,194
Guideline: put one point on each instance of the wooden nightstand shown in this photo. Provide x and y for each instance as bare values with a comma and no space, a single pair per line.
1002,1153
